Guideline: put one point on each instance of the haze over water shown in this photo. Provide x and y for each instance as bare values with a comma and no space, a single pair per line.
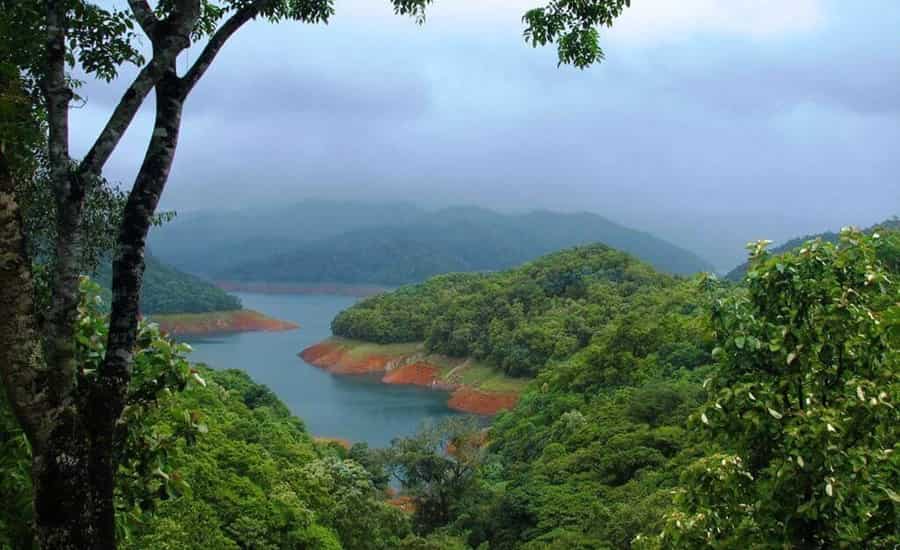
358,408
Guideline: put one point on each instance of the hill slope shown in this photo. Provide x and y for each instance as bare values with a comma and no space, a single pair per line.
168,290
519,320
454,240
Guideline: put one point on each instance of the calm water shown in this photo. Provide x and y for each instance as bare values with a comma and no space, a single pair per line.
358,408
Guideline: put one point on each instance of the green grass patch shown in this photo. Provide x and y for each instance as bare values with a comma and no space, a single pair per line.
358,348
486,378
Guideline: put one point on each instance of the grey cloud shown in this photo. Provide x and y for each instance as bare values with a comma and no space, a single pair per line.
706,140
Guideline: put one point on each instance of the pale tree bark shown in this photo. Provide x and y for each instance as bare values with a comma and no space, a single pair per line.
108,397
72,429
71,438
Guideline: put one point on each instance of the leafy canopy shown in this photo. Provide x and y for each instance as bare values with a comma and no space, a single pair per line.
804,406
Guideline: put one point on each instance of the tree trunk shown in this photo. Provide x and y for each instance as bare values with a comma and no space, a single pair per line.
64,515
107,396
59,457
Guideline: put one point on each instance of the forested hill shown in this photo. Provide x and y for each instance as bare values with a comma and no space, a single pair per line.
519,320
737,273
590,456
168,290
669,413
452,240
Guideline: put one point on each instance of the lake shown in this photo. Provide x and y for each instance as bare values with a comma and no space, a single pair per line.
357,408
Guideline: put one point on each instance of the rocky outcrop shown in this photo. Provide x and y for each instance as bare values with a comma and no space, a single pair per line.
219,322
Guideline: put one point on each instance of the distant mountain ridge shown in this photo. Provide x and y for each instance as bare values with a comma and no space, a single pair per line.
392,244
207,242
738,272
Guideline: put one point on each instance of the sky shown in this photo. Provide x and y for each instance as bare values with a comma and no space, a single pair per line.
710,123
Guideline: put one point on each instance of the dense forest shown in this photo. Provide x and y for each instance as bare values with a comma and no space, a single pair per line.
169,290
212,461
521,319
661,412
666,412
393,246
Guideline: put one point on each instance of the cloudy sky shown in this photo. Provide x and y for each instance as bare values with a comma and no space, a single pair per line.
712,122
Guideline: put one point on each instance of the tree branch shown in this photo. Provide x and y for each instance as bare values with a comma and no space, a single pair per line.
144,15
128,267
69,205
165,50
218,39
132,99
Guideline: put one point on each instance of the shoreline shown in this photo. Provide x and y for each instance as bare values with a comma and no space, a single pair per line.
361,290
219,322
472,387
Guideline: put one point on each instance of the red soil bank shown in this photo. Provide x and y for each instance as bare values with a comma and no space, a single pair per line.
470,400
244,320
345,443
417,374
335,358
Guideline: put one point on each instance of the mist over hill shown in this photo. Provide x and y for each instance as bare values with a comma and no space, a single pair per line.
390,243
209,241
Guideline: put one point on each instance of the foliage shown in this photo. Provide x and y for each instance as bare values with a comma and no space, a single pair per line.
795,446
15,480
591,453
589,456
438,467
144,449
803,405
573,26
208,459
890,225
520,320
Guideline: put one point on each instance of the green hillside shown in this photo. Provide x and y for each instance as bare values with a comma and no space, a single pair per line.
521,319
668,413
453,240
168,290
212,461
